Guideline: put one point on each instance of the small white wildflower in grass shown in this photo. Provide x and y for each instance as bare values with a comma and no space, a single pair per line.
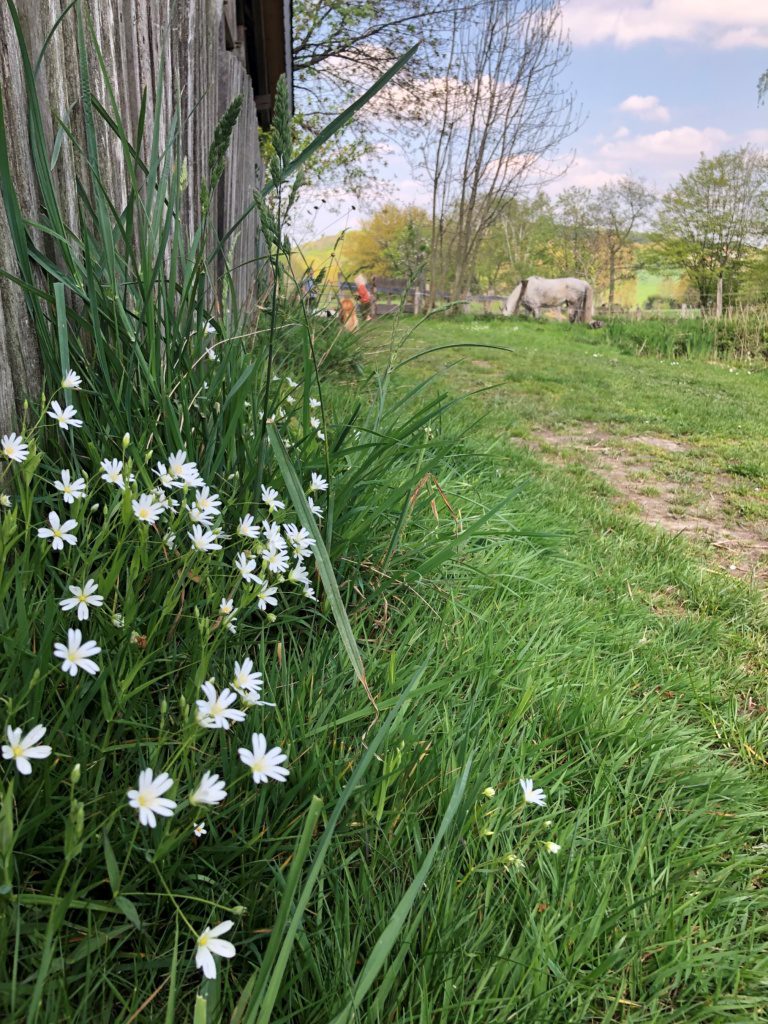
271,499
148,799
316,510
249,683
76,655
118,620
66,417
210,945
147,509
59,533
211,353
264,764
314,403
531,795
169,540
309,592
272,535
215,711
72,380
162,474
198,516
552,847
203,540
314,422
163,500
82,598
207,502
320,435
211,791
70,490
23,748
209,328
113,472
227,606
291,383
298,574
245,567
183,472
299,540
199,829
14,448
265,595
317,483
5,501
290,399
248,528
489,791
275,561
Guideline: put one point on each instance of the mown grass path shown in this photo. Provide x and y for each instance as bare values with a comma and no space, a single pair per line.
619,662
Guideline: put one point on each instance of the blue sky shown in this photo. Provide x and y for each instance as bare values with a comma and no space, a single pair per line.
658,81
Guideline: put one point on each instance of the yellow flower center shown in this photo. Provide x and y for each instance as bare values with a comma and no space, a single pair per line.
143,513
144,800
18,751
258,766
56,532
8,450
203,940
83,599
74,657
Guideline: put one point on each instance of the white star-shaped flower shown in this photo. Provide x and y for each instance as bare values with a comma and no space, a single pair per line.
245,567
203,540
316,510
317,483
215,711
77,656
70,490
113,472
66,417
59,533
199,829
23,748
271,499
265,596
264,764
81,598
13,447
209,945
147,509
248,528
299,540
148,799
72,380
211,791
275,561
531,795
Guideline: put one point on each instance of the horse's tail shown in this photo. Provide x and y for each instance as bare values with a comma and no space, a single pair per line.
510,307
588,308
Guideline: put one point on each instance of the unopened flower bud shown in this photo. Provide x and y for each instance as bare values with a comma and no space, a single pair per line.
75,774
489,791
126,440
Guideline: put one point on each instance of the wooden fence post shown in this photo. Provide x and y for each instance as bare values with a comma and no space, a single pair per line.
417,299
719,301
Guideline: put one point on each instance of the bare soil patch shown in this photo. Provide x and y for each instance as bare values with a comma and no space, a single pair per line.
630,465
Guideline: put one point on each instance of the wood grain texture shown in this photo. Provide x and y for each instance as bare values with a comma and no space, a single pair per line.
176,51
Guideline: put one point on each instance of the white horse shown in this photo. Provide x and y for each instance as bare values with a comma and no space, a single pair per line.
536,293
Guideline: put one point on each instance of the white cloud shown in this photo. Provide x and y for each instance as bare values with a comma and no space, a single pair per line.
713,22
648,108
622,132
670,145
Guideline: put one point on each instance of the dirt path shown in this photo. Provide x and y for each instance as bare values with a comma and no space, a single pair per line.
641,470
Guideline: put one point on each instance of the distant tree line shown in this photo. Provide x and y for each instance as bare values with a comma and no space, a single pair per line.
712,223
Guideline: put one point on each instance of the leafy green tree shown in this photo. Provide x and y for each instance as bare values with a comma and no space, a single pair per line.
712,221
620,207
392,242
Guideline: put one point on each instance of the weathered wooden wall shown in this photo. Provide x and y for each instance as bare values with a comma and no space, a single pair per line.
186,38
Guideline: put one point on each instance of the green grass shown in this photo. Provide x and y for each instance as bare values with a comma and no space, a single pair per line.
482,617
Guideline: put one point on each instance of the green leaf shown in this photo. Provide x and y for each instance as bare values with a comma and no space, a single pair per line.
323,559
